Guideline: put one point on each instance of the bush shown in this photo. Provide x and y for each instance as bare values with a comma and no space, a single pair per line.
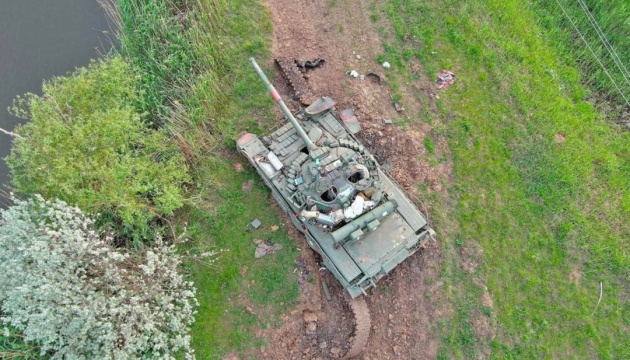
86,145
65,287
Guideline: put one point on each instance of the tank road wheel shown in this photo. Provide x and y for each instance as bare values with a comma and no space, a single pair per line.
362,326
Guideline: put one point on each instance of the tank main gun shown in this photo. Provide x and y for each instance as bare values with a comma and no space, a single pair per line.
276,97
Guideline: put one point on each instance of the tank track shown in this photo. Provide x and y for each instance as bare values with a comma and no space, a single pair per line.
294,76
362,327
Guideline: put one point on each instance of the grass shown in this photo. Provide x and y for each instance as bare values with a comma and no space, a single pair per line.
12,346
198,86
541,174
239,293
208,108
611,16
541,210
154,38
551,215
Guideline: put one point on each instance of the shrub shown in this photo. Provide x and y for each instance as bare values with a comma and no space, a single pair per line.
86,145
68,289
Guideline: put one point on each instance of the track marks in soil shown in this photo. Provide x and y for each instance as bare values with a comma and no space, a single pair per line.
407,304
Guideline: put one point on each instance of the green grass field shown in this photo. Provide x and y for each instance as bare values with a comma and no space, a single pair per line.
541,183
609,16
541,173
541,180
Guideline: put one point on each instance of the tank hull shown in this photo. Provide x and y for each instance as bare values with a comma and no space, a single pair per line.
318,186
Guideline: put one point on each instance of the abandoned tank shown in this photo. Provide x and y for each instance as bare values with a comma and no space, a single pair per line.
335,192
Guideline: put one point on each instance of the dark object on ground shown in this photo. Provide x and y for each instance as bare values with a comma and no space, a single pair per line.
255,224
445,78
375,76
309,64
326,290
247,185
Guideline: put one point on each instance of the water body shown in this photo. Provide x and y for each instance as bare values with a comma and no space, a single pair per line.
40,39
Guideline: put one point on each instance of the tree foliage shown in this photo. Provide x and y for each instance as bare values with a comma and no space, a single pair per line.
86,145
66,288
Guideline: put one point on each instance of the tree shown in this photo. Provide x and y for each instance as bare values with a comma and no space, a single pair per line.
85,144
66,288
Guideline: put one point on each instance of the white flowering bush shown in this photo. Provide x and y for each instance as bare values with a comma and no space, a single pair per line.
66,288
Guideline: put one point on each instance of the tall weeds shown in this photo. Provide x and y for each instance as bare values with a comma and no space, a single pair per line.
153,37
587,50
178,86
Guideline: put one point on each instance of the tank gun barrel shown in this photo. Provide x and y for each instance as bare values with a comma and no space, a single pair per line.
276,97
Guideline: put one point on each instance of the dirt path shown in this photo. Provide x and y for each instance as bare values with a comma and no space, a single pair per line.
406,305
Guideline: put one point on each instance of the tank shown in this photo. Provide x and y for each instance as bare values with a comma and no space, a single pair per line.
335,192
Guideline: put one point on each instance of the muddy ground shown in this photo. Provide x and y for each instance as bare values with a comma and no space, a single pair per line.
406,305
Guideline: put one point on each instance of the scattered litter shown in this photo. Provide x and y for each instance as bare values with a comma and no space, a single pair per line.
388,122
445,78
387,65
274,228
399,107
247,185
375,76
358,57
309,64
265,247
255,224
